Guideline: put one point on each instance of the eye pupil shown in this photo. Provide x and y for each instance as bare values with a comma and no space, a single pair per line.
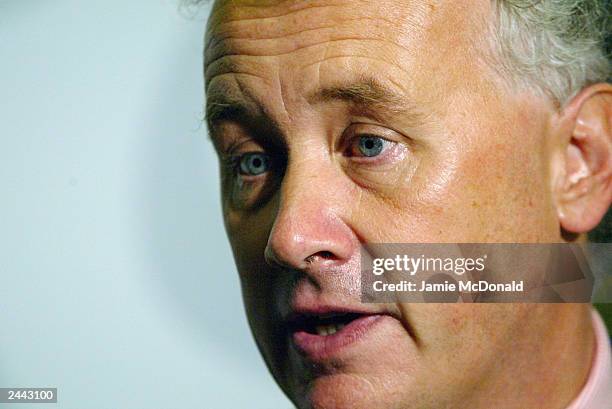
370,145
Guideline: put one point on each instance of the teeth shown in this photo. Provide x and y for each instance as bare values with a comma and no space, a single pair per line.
325,330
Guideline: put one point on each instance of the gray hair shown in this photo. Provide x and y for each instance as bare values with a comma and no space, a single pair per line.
556,47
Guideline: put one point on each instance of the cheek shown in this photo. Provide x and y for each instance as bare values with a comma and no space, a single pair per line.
464,341
474,327
248,235
507,184
505,192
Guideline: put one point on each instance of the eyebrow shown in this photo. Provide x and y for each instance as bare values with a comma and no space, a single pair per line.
370,94
226,104
223,108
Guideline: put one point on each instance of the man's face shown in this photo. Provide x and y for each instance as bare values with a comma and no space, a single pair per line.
345,122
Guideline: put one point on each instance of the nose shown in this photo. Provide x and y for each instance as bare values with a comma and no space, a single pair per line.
310,228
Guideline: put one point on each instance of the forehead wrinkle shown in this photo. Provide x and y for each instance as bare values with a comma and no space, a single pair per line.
240,15
260,9
230,11
365,57
258,50
238,65
221,25
248,36
224,37
232,56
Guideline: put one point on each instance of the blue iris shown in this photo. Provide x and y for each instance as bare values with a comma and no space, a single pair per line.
254,163
370,145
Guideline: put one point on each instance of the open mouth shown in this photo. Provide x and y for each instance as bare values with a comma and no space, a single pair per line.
323,336
324,324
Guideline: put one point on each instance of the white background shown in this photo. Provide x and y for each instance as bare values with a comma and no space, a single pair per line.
117,282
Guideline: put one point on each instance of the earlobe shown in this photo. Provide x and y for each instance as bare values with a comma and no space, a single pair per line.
584,191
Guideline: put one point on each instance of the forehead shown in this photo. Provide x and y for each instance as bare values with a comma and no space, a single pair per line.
305,44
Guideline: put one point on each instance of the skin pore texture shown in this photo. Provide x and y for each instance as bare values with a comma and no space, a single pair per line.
464,158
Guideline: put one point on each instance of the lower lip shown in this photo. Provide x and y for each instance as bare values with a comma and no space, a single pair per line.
321,347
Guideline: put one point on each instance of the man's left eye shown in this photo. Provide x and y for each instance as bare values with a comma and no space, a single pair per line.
369,146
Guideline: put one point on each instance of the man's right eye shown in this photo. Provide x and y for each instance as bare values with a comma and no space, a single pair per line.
253,163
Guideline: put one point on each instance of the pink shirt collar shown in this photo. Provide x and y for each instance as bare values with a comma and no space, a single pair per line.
597,391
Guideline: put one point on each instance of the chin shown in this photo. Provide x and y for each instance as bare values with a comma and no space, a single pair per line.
344,391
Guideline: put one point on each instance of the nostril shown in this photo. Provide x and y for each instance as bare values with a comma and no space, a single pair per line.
321,255
326,254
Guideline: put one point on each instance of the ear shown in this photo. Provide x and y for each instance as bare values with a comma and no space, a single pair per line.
583,182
